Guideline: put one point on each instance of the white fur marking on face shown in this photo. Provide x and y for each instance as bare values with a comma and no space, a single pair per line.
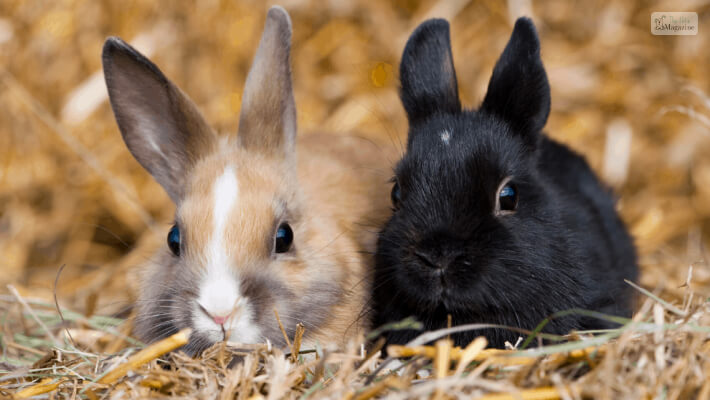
239,328
220,294
224,193
445,136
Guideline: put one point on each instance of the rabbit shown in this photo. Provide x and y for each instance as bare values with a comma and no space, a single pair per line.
493,222
263,222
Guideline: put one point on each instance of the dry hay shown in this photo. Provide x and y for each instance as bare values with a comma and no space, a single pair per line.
663,351
70,194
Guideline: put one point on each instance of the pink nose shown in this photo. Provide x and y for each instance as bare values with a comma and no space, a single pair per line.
220,320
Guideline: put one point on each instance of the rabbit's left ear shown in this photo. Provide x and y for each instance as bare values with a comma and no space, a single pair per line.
427,72
518,91
267,122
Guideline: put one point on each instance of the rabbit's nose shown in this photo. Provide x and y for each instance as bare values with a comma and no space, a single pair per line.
219,318
438,251
434,259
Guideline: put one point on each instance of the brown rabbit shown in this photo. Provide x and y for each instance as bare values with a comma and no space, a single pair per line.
257,228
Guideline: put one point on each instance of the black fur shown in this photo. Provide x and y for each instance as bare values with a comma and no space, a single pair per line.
564,247
429,85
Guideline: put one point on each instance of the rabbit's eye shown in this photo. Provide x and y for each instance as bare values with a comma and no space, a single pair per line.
396,195
174,240
507,199
284,238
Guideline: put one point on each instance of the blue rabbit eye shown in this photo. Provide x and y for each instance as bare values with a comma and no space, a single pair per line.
507,191
284,238
174,240
508,198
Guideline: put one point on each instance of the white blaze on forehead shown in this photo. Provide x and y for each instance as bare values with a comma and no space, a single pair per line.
220,294
445,136
224,194
219,290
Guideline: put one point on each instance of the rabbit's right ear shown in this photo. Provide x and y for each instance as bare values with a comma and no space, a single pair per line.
267,122
427,72
160,125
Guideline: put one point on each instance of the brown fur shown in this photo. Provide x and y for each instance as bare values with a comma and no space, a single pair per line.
332,190
334,209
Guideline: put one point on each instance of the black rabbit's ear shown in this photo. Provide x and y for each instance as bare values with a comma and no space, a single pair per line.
518,91
427,72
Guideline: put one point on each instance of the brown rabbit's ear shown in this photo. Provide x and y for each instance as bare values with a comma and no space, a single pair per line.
267,122
161,126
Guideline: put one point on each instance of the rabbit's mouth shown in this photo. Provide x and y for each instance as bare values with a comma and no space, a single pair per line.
238,325
447,288
442,289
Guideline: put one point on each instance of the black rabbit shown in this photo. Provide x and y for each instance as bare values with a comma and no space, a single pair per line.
494,222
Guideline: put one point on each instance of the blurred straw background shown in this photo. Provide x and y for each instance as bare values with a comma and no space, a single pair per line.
636,105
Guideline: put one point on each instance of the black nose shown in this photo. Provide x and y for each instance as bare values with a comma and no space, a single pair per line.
439,250
436,258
